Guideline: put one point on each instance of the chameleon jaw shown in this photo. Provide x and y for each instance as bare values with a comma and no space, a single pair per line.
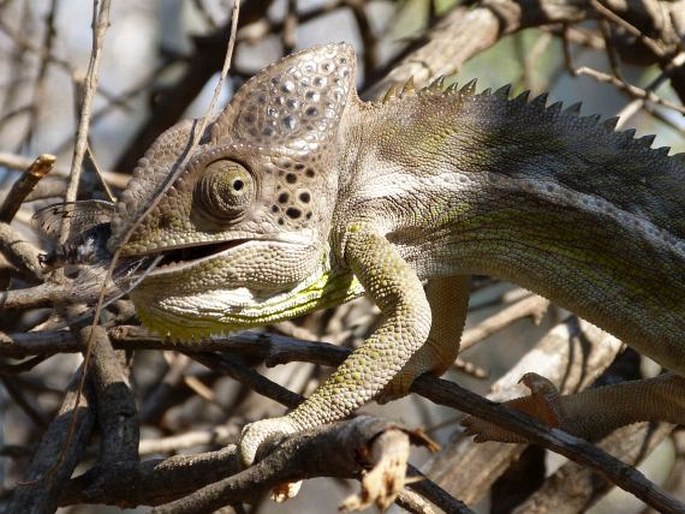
180,258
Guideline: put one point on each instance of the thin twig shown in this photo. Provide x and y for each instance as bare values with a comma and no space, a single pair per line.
631,444
100,25
216,436
290,22
19,163
654,46
633,91
35,171
40,296
633,107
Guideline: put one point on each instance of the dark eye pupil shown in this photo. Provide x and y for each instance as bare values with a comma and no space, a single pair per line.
238,185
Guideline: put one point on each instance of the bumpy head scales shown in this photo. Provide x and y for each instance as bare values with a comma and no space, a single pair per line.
295,103
280,126
292,111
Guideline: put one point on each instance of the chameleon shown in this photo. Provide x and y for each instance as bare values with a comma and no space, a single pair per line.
300,196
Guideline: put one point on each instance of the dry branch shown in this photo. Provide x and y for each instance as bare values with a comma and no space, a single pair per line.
574,488
60,450
21,188
213,479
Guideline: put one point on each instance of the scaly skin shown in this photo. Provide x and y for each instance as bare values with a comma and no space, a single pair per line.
301,196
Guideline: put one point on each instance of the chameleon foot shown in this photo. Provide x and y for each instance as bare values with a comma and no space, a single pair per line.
253,436
544,404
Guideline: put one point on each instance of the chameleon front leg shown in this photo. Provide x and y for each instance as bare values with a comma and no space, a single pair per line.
396,289
449,301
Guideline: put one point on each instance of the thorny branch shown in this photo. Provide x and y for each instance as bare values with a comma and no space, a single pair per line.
651,33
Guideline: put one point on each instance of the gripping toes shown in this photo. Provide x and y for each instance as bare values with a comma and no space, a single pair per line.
251,439
544,404
253,436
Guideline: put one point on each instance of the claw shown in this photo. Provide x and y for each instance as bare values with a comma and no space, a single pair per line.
543,404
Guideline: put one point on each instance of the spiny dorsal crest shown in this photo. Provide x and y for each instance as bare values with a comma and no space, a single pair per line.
396,92
655,180
437,88
634,177
295,103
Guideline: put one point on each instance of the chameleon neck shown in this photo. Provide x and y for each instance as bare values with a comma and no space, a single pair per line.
529,194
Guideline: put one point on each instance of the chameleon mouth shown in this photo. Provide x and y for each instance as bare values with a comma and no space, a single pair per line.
189,255
183,257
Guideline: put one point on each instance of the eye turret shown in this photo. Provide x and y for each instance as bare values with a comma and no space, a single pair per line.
225,190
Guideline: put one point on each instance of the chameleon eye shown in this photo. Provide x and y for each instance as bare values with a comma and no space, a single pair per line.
225,189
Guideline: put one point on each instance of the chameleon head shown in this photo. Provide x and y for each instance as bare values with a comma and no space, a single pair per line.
243,226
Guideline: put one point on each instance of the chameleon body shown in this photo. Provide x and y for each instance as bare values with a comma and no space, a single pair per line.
300,196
